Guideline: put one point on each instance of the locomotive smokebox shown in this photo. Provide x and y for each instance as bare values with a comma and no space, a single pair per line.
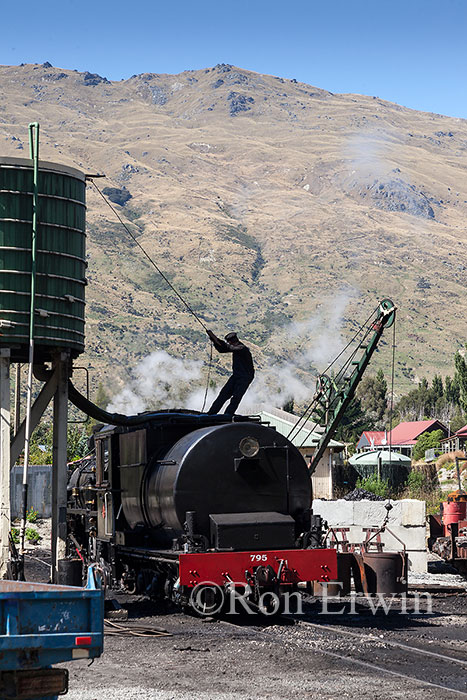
209,471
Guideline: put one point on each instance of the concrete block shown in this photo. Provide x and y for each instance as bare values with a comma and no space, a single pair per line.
369,513
395,514
337,513
418,561
356,535
413,512
414,538
406,520
373,513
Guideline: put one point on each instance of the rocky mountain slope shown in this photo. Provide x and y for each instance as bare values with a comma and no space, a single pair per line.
278,209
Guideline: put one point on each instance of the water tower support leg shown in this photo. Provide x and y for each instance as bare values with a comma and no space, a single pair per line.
5,523
59,462
37,411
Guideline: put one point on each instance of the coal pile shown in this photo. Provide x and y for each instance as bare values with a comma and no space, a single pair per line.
362,495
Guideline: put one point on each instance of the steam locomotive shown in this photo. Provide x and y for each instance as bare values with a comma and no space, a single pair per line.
184,501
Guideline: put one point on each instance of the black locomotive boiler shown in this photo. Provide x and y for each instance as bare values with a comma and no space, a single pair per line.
184,500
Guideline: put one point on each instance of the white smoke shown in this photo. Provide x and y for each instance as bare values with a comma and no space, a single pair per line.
313,343
369,153
273,387
163,381
158,381
319,338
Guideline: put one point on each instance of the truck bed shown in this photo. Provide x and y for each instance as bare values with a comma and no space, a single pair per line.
44,624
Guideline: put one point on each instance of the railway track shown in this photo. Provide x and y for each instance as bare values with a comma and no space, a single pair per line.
457,667
388,642
375,653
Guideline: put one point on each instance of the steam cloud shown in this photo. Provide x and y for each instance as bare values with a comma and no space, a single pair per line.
158,381
163,381
369,153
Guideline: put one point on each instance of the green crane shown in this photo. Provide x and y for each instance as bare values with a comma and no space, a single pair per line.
334,393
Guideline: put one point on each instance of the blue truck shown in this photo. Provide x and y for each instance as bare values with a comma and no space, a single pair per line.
42,625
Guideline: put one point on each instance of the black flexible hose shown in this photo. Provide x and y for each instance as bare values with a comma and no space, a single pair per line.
174,415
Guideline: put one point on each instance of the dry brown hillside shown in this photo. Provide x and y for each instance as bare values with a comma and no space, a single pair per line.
264,200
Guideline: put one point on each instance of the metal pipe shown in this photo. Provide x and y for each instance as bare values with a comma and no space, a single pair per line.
5,519
17,397
34,155
86,406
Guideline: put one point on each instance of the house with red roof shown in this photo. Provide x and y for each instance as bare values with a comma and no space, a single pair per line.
402,438
455,442
371,439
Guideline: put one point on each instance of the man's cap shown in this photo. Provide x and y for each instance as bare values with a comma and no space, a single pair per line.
231,336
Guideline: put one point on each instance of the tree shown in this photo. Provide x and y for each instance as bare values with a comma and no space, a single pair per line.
77,443
427,441
452,390
289,406
353,423
416,405
461,378
445,401
457,422
40,450
101,398
372,393
42,444
437,388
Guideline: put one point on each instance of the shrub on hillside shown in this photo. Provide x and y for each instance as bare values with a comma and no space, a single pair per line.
448,458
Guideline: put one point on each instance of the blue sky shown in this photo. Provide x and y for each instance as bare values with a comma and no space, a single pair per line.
412,52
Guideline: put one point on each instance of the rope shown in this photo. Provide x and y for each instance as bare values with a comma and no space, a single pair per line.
45,563
166,280
114,629
207,380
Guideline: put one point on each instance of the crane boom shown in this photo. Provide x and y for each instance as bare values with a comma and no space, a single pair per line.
333,396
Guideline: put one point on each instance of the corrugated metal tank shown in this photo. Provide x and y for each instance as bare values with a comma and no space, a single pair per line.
61,258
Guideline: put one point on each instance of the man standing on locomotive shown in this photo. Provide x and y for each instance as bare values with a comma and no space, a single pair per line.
243,372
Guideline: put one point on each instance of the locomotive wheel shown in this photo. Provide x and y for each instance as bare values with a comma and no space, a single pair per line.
207,599
270,604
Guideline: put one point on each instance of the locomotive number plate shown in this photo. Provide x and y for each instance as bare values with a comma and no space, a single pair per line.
258,557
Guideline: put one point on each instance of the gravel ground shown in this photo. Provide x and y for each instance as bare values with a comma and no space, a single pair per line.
314,656
307,656
252,659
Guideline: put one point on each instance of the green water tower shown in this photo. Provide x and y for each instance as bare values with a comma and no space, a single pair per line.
60,259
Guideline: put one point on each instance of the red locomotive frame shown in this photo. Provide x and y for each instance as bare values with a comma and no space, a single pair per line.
290,566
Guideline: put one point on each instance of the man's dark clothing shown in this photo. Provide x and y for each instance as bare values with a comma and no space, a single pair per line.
235,388
242,375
